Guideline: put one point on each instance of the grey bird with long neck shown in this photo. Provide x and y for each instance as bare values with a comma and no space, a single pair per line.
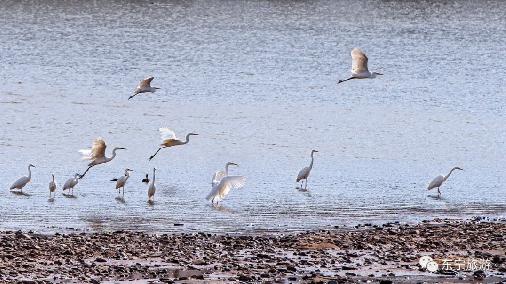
438,181
22,181
304,173
169,139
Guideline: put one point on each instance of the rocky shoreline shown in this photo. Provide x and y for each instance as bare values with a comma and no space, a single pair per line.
386,253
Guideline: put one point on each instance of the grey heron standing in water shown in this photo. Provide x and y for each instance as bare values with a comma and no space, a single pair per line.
438,181
152,188
71,183
24,180
304,173
52,186
120,182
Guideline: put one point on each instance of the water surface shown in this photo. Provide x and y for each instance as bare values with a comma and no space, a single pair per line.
257,81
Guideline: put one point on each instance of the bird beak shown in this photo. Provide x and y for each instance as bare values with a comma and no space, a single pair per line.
379,73
234,164
122,148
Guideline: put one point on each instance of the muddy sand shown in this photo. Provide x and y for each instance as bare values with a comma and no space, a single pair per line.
465,251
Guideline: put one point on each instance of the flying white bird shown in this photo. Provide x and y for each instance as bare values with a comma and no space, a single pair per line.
120,182
218,175
223,183
359,68
169,140
97,154
438,181
144,87
304,173
71,183
152,188
22,181
52,186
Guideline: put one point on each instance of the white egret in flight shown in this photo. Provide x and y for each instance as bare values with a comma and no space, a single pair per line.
218,175
304,173
438,181
52,186
22,181
152,188
144,87
97,154
71,183
359,68
120,182
169,140
223,183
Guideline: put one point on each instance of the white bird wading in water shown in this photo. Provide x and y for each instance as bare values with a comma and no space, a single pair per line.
218,175
71,183
438,181
120,182
222,183
52,186
304,173
97,154
144,87
22,181
169,140
152,188
359,68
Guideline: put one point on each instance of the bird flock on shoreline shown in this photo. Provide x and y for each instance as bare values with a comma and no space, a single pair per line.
222,183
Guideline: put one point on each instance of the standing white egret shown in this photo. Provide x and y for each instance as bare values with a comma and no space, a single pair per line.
169,139
22,181
359,68
218,175
304,173
52,186
144,87
71,183
152,188
97,154
438,181
120,182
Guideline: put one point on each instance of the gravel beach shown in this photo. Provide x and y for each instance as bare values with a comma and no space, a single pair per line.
386,253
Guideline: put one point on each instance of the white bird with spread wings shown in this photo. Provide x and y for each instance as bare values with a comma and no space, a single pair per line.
144,87
359,68
97,154
222,183
169,139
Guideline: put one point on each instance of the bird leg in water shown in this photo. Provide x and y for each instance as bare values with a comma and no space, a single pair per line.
155,154
438,192
81,176
351,78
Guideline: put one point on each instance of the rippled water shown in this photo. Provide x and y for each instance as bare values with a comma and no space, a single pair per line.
257,81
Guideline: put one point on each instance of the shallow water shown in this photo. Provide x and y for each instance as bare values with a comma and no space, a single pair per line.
257,81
